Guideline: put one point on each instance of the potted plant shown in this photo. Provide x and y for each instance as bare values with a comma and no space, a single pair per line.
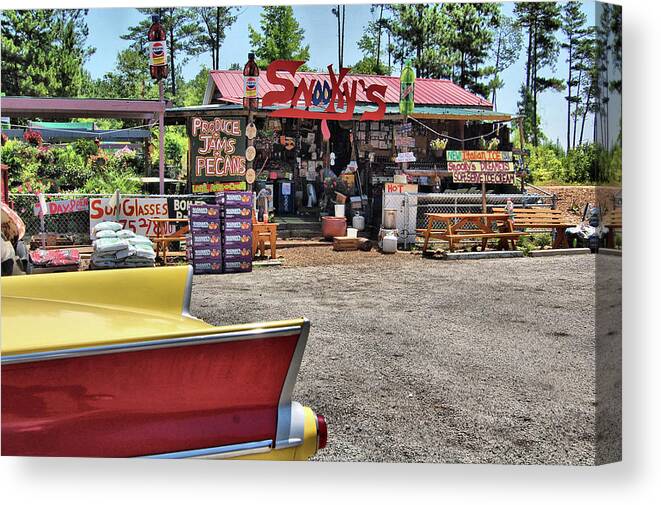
438,146
493,144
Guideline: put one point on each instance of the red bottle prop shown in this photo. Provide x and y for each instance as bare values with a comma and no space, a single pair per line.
250,83
158,60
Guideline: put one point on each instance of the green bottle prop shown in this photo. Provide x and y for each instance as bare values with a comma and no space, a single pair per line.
407,90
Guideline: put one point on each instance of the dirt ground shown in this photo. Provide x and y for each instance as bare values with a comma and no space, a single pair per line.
420,360
572,199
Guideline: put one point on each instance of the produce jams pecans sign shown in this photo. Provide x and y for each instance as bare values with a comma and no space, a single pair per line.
217,153
134,213
490,167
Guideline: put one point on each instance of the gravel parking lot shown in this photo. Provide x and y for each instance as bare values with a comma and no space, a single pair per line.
419,360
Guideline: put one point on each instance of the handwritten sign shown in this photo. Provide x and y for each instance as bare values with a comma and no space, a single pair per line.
489,167
316,93
479,155
395,187
134,213
480,166
486,177
217,187
63,206
217,154
407,157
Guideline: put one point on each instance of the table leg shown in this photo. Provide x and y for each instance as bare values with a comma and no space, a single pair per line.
484,244
273,237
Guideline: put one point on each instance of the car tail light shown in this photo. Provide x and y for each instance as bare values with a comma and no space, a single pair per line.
322,432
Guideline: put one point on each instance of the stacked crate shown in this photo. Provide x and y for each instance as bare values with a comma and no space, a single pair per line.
206,238
236,222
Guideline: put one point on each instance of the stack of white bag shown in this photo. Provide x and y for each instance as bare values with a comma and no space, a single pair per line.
116,248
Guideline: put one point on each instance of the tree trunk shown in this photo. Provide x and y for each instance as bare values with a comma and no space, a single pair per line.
569,97
378,39
216,41
173,76
578,96
585,113
534,87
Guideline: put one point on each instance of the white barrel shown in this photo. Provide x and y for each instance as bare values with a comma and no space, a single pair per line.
339,210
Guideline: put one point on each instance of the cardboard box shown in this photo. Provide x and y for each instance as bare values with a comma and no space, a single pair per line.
237,253
203,212
238,199
207,253
237,225
205,227
237,212
240,239
237,266
199,239
208,267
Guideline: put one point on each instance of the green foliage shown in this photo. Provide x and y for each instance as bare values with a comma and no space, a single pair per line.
542,240
280,36
113,179
176,144
192,92
43,52
129,79
85,148
526,244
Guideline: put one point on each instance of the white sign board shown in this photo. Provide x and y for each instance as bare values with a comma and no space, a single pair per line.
134,213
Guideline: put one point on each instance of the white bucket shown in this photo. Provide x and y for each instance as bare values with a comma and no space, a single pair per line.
339,210
352,233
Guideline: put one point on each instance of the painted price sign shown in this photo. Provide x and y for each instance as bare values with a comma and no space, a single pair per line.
486,177
134,213
479,155
63,206
217,154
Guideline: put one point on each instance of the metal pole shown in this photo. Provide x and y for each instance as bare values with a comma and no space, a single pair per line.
161,139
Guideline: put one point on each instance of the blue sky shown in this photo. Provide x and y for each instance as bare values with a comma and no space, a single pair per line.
106,26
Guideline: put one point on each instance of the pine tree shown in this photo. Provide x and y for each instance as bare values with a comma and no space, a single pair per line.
216,21
280,36
541,21
182,32
470,29
505,50
575,30
44,52
419,32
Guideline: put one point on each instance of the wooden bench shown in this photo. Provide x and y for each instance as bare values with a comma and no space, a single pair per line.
613,221
541,217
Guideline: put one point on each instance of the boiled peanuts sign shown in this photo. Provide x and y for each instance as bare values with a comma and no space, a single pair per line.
217,151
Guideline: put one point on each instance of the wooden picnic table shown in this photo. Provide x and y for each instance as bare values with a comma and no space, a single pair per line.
162,239
460,226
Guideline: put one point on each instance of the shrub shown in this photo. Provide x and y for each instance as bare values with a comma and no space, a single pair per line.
126,181
542,240
545,165
32,137
86,148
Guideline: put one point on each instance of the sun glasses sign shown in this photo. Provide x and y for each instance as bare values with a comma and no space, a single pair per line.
337,98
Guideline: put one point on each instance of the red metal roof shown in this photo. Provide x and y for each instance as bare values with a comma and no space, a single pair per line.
427,91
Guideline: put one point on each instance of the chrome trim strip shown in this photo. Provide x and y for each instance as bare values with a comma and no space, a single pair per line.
185,309
155,344
291,418
223,451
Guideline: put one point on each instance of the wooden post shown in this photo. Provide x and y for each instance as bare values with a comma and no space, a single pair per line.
250,142
161,139
522,143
